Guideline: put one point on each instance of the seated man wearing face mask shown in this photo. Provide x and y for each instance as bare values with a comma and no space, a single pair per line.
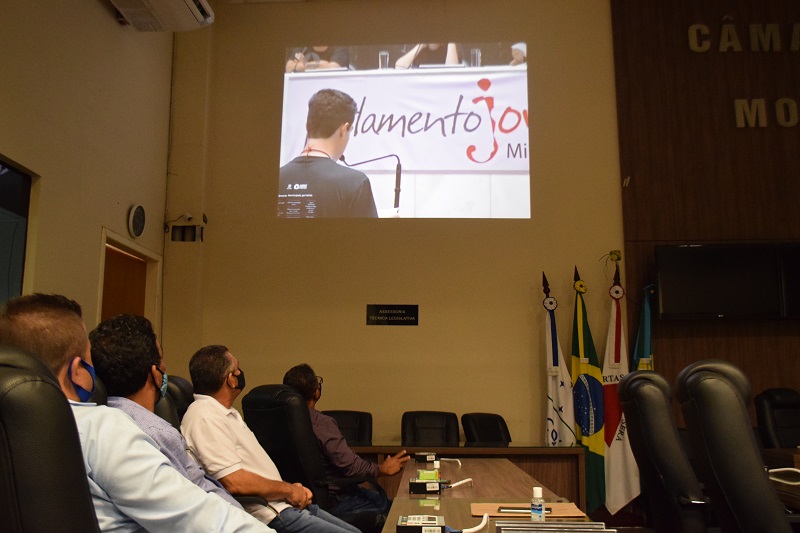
128,359
133,485
230,452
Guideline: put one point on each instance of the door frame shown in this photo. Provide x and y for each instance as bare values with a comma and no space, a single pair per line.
153,275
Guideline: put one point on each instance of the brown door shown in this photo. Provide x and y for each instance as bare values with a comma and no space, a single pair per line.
124,283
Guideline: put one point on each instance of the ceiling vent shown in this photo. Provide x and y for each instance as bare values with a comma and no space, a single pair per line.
165,15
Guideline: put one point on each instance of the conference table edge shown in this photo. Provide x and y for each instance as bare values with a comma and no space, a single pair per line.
509,452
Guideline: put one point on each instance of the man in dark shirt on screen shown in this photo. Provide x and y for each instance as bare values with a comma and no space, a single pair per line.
314,185
340,460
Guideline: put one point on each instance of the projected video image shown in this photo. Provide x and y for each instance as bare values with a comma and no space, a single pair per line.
411,131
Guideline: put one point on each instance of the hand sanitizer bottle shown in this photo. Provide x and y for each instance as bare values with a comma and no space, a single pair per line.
537,505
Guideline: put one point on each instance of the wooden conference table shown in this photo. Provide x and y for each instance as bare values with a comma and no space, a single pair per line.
494,480
562,470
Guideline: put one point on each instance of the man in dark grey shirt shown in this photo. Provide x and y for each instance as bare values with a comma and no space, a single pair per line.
340,460
314,185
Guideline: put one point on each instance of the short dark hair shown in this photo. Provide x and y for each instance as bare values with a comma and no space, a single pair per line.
302,378
209,367
123,350
48,326
327,110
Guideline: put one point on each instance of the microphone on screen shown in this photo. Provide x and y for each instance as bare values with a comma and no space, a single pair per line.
397,173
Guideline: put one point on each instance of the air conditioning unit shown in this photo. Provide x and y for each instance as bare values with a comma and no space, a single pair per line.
165,15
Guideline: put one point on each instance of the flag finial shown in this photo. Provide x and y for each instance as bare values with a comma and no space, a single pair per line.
579,284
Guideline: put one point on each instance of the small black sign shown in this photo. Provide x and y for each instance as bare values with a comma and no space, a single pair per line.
392,315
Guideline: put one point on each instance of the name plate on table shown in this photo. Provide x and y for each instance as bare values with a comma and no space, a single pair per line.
420,524
392,315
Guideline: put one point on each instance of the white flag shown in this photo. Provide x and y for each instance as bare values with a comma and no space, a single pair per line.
560,419
622,474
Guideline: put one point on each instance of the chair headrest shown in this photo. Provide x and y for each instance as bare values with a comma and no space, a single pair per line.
640,378
271,396
710,368
16,358
782,398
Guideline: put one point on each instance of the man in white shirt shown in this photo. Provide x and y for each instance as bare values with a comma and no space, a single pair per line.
134,488
218,436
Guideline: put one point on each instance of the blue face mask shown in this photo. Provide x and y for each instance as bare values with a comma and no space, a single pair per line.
83,394
164,382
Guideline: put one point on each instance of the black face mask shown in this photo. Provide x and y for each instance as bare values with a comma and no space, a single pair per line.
240,377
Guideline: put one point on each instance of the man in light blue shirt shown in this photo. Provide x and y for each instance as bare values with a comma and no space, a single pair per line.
129,361
133,485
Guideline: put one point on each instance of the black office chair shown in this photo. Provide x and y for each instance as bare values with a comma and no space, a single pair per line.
673,493
278,416
43,484
182,393
174,404
485,429
429,428
714,395
778,416
356,426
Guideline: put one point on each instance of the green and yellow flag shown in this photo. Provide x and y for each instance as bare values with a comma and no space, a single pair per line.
587,389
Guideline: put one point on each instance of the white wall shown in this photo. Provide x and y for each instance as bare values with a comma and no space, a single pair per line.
84,105
282,292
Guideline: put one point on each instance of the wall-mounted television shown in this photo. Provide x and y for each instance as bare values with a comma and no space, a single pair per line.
790,270
716,281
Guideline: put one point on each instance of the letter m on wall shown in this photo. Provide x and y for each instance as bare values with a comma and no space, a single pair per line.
750,113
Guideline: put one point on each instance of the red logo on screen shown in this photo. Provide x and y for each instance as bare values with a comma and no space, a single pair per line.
509,121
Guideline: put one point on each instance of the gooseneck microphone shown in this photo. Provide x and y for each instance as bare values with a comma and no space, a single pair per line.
397,172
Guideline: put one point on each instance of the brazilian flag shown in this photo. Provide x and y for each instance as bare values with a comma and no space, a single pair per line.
587,390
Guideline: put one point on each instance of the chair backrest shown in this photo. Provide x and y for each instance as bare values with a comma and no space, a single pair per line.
485,429
778,415
43,483
174,404
182,393
429,428
672,490
714,395
278,416
356,426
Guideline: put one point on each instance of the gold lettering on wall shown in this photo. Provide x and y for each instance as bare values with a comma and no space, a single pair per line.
750,113
762,38
753,113
786,112
698,38
765,37
729,39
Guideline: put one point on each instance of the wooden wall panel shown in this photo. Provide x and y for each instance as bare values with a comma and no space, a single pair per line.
691,174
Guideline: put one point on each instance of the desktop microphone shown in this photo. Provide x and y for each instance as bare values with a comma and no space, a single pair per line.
397,172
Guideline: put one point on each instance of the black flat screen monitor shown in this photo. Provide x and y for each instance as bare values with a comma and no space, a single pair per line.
717,281
790,269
